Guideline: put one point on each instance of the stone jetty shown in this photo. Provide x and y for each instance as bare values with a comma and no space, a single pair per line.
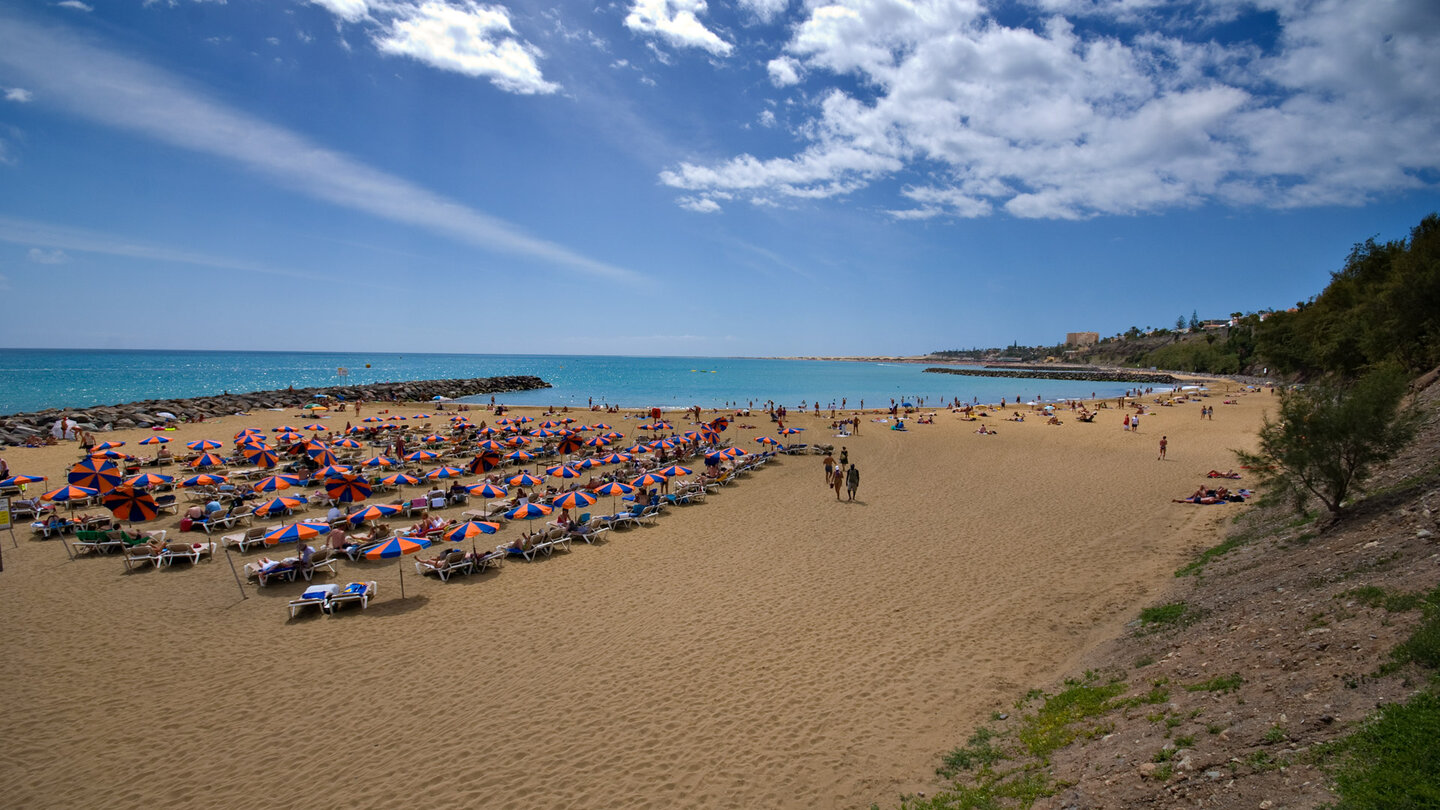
16,428
1137,377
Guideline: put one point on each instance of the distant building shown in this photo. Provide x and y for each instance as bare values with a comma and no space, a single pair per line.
1082,338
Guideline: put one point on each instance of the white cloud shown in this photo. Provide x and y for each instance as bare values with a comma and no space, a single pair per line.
784,71
700,205
347,10
275,41
1062,121
75,4
765,10
767,118
39,256
19,94
128,95
471,39
677,22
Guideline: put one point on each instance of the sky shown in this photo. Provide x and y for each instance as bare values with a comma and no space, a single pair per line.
677,177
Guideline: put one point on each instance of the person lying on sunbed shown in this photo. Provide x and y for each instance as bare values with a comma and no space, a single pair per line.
340,541
452,557
378,531
1218,474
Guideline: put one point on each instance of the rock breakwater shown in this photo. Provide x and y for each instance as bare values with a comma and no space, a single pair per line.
17,428
1137,377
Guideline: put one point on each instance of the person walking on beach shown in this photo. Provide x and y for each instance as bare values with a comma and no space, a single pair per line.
837,480
852,481
829,462
844,457
1164,442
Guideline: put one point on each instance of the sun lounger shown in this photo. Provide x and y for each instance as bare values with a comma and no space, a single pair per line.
361,592
455,562
325,559
317,595
189,552
139,557
264,570
253,536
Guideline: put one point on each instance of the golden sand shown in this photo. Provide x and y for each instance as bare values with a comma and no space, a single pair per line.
768,648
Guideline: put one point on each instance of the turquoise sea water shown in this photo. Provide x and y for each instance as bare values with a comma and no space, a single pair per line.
33,379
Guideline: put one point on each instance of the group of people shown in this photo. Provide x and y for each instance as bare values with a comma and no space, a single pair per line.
842,474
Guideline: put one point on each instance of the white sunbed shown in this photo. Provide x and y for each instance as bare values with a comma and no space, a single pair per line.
317,595
361,592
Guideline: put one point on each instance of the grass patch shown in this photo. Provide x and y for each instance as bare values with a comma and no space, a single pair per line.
1052,726
1393,760
1276,734
977,752
990,792
1219,683
1175,614
1423,646
1393,601
1197,565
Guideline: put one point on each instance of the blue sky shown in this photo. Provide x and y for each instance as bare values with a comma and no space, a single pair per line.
679,177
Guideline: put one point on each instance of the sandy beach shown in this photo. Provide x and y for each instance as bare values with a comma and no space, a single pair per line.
771,647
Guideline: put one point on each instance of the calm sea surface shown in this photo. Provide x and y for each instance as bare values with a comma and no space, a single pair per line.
34,379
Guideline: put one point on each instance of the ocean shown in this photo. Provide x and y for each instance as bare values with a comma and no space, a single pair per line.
34,379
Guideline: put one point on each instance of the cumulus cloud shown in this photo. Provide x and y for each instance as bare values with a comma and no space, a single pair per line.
677,22
765,10
40,256
19,94
1059,119
463,37
471,39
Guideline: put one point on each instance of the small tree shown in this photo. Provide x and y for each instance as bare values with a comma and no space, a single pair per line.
1329,437
1180,324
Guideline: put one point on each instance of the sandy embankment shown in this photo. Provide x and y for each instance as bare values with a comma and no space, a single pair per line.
769,648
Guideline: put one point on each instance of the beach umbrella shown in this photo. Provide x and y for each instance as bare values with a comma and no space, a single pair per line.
528,511
574,500
615,458
206,460
249,431
107,446
278,506
22,480
469,529
570,443
282,429
348,444
584,464
380,461
316,428
637,449
203,444
148,480
70,493
674,470
613,435
130,504
517,441
288,437
520,455
434,438
524,479
719,423
262,457
203,480
375,511
348,488
96,474
420,416
422,455
490,445
484,462
765,440
372,419
155,440
303,530
444,472
562,471
489,432
614,489
332,471
663,444
275,483
485,489
790,431
112,453
400,479
543,433
648,479
601,426
551,423
396,547
597,441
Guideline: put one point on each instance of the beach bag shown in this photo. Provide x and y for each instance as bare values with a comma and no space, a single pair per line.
185,524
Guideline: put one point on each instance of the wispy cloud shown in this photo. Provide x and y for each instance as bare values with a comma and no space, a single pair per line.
19,94
40,256
61,238
75,4
127,94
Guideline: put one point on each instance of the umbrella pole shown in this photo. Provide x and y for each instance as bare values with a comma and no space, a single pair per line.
238,583
401,566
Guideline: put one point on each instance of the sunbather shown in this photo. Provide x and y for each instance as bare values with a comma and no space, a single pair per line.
452,557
